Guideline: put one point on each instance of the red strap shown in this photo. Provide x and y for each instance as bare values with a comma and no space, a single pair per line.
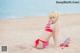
49,30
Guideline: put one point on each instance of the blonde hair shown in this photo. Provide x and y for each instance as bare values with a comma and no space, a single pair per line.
54,14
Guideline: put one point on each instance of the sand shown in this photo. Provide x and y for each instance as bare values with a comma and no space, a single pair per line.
19,34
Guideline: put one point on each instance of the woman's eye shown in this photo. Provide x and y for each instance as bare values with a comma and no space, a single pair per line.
53,17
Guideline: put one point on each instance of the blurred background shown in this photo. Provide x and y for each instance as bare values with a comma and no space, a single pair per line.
20,8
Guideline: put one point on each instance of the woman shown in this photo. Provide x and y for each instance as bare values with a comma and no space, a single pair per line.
50,30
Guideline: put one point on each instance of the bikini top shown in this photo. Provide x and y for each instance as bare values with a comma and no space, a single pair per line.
48,25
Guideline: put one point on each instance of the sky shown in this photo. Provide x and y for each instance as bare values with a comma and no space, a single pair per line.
13,8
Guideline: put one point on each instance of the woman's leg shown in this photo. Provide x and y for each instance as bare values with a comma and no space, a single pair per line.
54,38
46,36
43,41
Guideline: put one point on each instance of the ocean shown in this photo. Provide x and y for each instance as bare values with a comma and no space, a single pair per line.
21,8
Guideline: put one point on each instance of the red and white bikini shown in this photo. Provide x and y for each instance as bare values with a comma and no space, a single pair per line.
48,26
48,29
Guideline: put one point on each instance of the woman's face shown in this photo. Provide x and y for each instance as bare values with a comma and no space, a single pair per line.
54,19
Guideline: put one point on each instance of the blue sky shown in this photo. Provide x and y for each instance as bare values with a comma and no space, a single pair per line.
34,7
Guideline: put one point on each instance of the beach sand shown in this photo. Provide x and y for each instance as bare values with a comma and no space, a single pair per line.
19,34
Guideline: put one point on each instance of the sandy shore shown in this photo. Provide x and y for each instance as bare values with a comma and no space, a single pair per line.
18,34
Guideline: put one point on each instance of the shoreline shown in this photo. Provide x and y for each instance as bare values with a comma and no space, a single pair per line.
23,17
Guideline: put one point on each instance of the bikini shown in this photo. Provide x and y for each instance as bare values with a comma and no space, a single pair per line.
48,29
48,26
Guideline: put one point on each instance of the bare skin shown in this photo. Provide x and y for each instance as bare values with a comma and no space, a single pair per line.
48,35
